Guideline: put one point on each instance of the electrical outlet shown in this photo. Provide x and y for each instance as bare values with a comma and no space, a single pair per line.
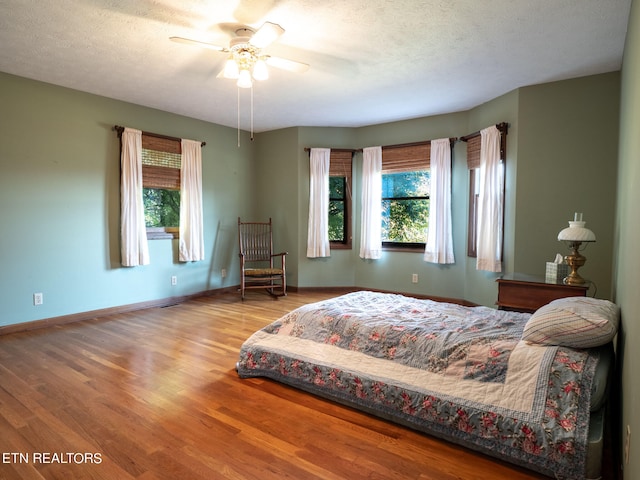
414,278
223,272
38,299
174,280
627,442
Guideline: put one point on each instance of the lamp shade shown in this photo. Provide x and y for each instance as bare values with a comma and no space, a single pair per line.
244,79
231,69
577,232
260,71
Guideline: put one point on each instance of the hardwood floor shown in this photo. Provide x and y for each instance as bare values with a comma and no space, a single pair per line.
153,394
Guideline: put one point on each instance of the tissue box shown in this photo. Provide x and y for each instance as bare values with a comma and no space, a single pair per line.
556,272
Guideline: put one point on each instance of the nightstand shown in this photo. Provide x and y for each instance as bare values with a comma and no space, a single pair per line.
527,293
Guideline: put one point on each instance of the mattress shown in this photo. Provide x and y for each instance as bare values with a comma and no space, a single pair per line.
459,373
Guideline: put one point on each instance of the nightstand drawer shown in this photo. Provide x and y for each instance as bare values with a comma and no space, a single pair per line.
527,293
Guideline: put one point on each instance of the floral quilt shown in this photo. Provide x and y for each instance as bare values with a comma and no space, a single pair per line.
460,373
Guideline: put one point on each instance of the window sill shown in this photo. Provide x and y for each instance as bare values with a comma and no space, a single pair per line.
411,249
162,233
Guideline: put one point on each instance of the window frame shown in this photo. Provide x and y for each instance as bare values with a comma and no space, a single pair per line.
341,165
407,157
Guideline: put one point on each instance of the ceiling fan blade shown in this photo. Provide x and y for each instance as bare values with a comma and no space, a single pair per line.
266,35
284,64
197,43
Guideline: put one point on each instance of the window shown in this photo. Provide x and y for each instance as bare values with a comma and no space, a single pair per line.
405,195
161,159
340,198
473,164
337,205
472,228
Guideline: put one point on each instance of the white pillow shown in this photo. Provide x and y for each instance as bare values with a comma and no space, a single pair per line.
579,322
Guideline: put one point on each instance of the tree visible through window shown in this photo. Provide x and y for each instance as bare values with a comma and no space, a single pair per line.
337,217
405,207
161,207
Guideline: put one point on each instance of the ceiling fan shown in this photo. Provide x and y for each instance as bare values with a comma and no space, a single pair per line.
246,60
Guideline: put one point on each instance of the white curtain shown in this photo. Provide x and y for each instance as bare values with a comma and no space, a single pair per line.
191,244
371,219
439,247
490,202
318,230
134,247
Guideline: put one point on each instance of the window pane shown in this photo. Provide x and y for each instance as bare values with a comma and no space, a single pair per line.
336,209
336,221
405,221
405,206
406,184
161,207
336,188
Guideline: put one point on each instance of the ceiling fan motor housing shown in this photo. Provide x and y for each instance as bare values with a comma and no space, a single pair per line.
242,39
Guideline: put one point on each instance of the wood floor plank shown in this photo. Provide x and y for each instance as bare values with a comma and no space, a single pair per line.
154,394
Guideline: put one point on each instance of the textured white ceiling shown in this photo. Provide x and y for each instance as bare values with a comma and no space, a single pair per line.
372,61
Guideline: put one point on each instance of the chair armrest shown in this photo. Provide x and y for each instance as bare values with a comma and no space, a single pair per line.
283,258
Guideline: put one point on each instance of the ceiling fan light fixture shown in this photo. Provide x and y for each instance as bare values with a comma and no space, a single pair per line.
244,79
231,69
245,61
260,71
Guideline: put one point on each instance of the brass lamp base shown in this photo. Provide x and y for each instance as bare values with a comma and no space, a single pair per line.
575,261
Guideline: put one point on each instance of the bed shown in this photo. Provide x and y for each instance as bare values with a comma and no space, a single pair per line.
526,388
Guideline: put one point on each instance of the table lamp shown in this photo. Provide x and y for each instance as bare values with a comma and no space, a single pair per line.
574,236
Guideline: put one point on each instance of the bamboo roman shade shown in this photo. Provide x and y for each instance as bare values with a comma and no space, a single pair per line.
473,152
340,163
161,144
406,158
474,141
161,159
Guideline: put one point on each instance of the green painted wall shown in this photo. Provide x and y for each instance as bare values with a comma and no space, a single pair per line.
59,190
275,170
627,239
567,163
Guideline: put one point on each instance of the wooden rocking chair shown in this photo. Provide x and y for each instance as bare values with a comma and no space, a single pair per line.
257,268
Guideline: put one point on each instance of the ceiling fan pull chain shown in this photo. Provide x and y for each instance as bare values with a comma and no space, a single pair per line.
238,88
252,112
